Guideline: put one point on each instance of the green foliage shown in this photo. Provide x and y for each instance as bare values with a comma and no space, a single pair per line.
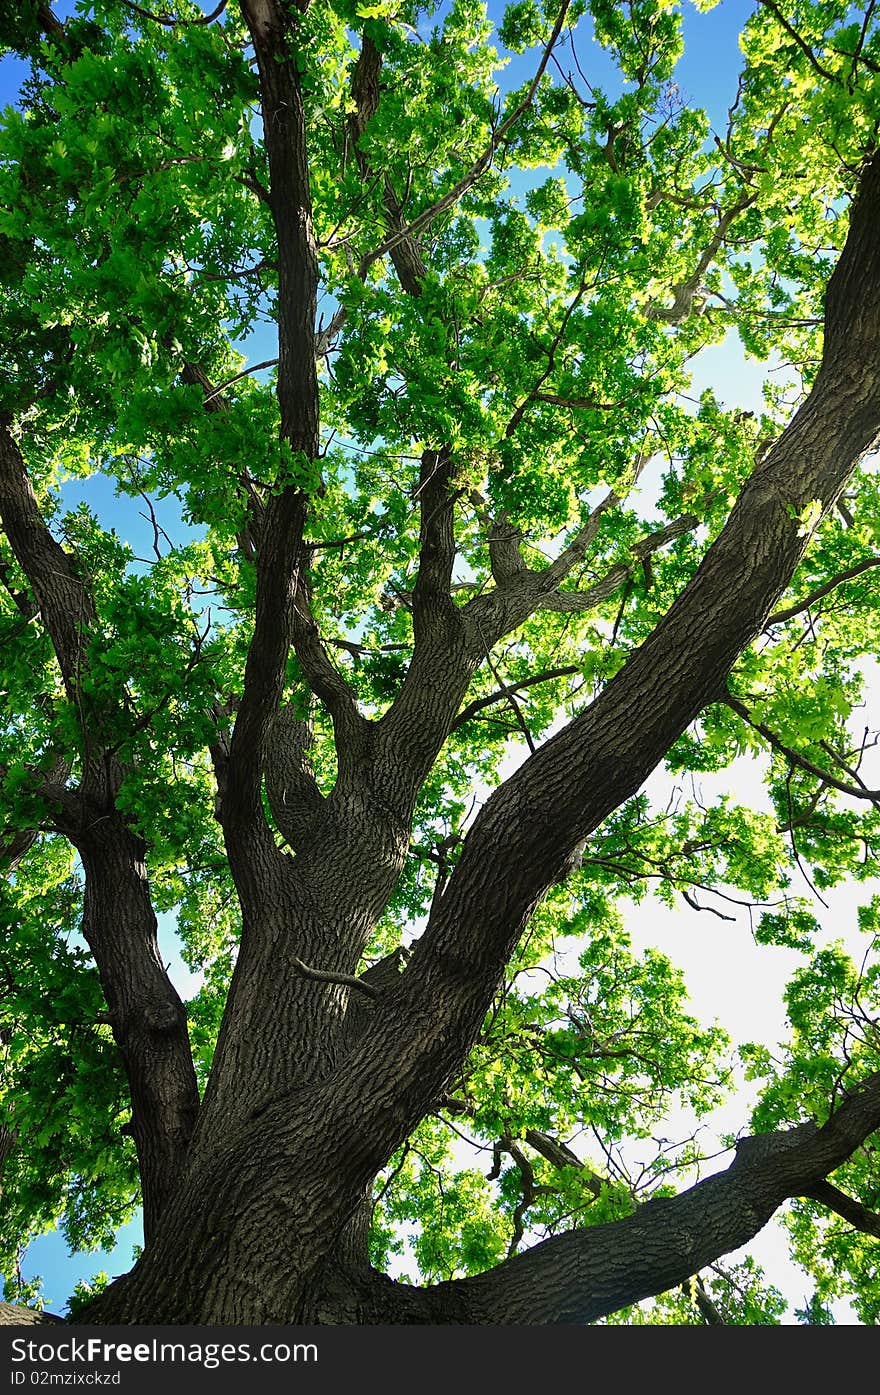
85,1291
62,1092
566,295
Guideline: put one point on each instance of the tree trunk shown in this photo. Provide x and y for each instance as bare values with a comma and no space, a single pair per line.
267,1222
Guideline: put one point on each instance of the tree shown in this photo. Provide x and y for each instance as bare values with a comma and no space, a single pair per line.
468,510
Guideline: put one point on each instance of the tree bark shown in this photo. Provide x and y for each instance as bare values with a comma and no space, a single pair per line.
251,1234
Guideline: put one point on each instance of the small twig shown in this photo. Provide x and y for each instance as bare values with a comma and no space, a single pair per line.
171,21
326,976
245,372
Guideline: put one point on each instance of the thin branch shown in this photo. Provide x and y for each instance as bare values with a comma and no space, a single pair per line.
734,703
245,372
479,704
584,404
479,166
171,21
509,696
695,906
705,1306
801,43
779,616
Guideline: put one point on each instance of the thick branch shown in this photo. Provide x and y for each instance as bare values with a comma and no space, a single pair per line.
416,724
119,924
292,791
850,1210
284,131
280,556
146,1014
432,602
587,1274
321,674
522,591
528,829
62,595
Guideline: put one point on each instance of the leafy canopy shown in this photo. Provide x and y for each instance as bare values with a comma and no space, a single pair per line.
613,232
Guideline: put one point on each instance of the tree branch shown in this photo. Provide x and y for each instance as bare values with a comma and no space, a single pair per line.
281,557
62,595
706,1307
560,1155
780,616
479,704
795,757
587,1274
520,590
172,21
480,165
850,1210
528,829
325,976
293,793
685,291
321,674
403,249
801,43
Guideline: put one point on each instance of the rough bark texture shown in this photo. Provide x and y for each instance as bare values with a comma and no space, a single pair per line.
13,1315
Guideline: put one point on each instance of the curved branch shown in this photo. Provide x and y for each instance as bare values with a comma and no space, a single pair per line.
172,21
779,616
327,976
586,1274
